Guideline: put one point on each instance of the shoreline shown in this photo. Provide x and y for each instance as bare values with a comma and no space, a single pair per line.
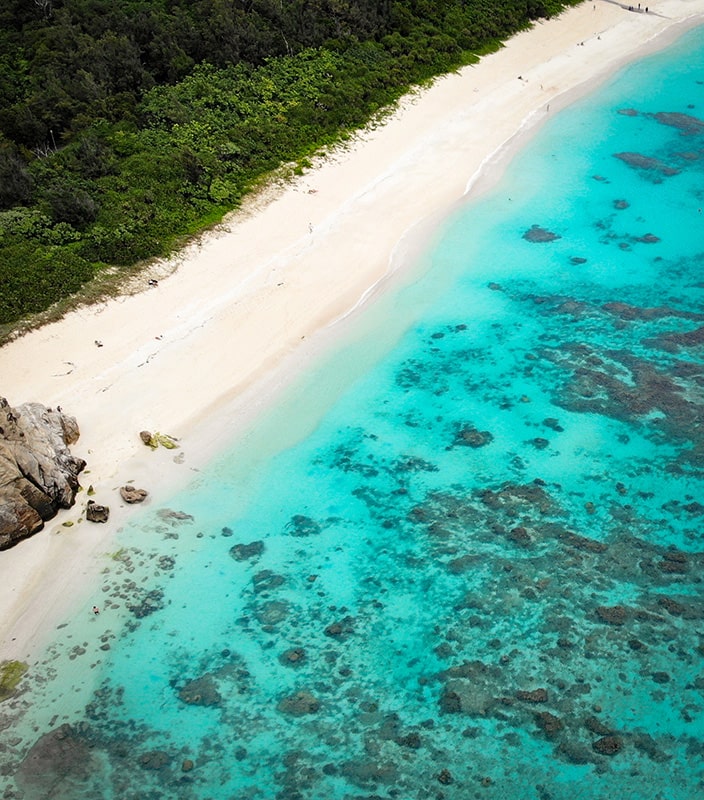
252,306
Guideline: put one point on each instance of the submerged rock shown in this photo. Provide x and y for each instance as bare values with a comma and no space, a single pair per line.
266,580
520,536
445,777
151,601
686,123
647,745
364,773
300,525
243,552
174,517
608,745
299,704
613,615
272,612
536,234
671,606
154,760
469,436
293,657
597,726
575,752
533,696
341,629
549,723
411,740
38,474
553,423
582,542
202,691
646,163
450,702
56,756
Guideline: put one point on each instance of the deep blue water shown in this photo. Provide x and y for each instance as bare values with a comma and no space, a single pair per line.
476,570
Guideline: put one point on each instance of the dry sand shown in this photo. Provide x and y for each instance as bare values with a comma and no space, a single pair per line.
250,303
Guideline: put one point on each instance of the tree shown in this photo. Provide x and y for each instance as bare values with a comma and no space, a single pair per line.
72,204
15,181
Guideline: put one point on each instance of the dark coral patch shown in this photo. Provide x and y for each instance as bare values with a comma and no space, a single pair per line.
202,691
631,312
533,695
243,552
646,163
686,123
149,603
608,745
549,723
299,704
612,615
672,341
469,436
301,525
538,235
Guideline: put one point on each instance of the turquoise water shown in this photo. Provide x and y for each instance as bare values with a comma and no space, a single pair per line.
478,574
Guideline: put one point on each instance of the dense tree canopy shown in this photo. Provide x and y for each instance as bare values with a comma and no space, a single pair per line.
127,124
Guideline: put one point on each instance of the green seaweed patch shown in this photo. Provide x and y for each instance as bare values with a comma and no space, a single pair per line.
155,439
119,555
11,673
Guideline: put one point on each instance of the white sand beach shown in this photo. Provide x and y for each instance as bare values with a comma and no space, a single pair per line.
255,301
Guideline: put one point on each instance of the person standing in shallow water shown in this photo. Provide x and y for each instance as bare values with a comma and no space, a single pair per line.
96,610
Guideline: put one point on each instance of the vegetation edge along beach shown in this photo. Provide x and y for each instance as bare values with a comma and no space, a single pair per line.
126,128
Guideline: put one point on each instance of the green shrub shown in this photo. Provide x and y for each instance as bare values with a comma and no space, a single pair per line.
33,277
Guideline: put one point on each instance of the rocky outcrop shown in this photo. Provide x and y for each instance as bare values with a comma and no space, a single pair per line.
131,495
96,512
38,474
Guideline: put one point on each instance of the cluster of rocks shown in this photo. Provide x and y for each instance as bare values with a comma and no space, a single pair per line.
38,474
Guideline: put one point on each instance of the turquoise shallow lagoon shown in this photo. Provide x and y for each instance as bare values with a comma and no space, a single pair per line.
476,572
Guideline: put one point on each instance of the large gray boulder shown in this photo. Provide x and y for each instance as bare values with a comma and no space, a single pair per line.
38,474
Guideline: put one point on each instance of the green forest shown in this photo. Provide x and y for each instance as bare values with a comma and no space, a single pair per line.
127,126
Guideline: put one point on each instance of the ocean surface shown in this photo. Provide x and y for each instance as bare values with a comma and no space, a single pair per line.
464,557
